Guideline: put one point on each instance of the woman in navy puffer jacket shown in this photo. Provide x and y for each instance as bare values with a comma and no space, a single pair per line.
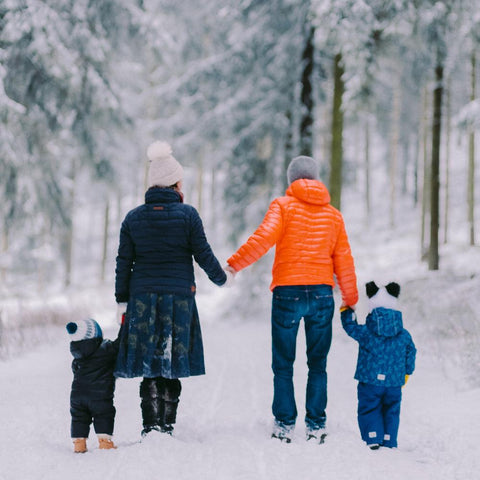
160,339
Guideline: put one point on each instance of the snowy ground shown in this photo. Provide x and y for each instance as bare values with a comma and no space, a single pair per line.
224,421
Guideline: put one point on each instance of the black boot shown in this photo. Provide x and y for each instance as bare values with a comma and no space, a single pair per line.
169,391
150,400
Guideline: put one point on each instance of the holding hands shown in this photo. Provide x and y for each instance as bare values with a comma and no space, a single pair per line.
230,272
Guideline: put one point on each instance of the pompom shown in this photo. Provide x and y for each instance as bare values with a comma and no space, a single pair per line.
158,150
72,328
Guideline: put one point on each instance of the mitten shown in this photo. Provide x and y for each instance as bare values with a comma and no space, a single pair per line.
121,309
406,379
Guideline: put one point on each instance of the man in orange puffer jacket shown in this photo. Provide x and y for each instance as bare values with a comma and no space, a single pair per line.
312,249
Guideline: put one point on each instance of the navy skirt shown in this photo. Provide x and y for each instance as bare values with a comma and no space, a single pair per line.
160,337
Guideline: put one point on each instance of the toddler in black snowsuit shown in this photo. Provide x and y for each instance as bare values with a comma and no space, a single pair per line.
93,385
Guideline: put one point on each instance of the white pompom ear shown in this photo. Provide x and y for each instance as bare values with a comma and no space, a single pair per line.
158,150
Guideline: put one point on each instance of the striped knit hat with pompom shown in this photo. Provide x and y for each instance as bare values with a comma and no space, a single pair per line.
164,170
84,329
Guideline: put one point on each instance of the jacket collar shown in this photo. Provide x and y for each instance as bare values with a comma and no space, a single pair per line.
162,195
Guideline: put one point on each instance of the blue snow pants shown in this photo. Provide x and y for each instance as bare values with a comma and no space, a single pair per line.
379,414
289,304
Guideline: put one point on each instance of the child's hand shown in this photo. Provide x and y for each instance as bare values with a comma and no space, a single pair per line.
344,307
406,380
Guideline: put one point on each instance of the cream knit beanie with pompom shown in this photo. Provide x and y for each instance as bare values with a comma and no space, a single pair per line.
164,170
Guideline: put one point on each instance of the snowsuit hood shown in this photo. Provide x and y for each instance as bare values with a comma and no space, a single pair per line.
384,322
309,191
85,348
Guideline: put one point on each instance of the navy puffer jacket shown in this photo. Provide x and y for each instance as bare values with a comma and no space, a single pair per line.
92,367
157,243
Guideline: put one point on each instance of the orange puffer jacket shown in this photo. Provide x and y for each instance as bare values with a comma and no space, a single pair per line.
311,241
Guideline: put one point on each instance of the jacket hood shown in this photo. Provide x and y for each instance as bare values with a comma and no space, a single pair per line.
309,191
85,348
384,322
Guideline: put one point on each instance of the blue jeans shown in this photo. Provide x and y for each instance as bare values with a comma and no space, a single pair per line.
289,304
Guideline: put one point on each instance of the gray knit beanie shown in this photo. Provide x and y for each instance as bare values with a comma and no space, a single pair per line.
302,167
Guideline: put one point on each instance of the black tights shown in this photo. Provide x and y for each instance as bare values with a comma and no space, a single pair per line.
159,401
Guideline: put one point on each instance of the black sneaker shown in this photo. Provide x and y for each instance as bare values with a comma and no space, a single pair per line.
374,446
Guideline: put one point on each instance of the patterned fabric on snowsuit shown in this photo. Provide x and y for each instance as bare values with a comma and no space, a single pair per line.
386,350
160,337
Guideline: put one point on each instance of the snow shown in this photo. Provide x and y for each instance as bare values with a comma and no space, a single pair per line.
224,421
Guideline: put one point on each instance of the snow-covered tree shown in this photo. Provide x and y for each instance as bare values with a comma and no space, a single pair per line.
60,62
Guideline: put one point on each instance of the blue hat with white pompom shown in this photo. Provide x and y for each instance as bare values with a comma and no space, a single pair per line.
84,329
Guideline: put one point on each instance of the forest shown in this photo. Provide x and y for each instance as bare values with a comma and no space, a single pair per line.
382,92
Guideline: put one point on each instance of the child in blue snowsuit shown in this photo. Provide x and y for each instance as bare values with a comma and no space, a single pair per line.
386,358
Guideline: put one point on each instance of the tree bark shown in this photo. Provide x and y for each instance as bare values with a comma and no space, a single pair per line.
69,234
433,255
367,170
4,250
426,177
106,222
306,123
394,153
335,184
448,132
471,160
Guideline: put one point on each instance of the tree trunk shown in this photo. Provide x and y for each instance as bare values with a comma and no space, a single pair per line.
394,153
106,222
416,166
447,160
335,184
306,123
367,170
433,255
200,184
3,268
471,161
288,149
426,177
69,228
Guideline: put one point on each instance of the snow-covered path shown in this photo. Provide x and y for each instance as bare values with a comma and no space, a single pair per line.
224,419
